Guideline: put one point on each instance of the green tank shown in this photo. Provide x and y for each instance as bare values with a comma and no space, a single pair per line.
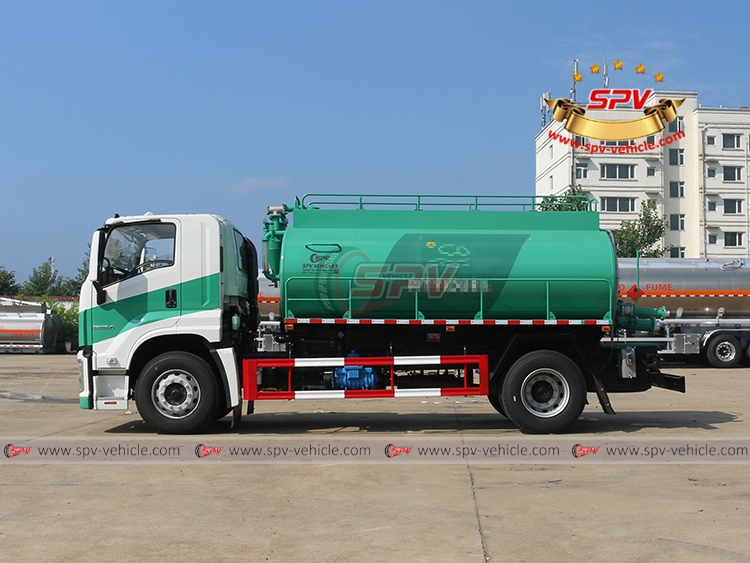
440,257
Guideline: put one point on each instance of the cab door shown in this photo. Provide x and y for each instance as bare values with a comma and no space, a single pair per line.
138,289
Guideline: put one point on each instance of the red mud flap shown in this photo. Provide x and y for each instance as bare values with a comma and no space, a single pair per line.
666,381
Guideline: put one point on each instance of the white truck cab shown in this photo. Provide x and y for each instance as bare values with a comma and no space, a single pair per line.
161,317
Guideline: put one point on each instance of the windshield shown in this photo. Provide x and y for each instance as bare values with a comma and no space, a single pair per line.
134,249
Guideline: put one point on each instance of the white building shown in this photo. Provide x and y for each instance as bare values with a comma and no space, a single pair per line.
696,172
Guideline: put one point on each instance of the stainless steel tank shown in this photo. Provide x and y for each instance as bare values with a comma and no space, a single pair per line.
689,288
27,326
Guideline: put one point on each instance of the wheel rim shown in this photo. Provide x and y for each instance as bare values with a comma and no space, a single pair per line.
545,393
726,352
175,394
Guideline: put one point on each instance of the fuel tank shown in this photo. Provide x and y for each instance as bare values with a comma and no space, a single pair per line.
690,288
27,326
437,263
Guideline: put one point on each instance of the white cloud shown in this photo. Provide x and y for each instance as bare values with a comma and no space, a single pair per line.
256,184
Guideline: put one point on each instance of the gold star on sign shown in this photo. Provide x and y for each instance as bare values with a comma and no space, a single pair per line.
595,68
577,77
659,77
640,69
618,64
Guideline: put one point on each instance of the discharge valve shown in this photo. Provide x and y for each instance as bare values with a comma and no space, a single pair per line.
639,319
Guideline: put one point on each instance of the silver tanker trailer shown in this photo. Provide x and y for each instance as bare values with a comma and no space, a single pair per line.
708,303
28,327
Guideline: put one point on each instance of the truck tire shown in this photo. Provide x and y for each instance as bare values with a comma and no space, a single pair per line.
543,392
176,393
494,398
222,410
724,351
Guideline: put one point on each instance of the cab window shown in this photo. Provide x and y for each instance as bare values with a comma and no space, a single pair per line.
134,249
239,242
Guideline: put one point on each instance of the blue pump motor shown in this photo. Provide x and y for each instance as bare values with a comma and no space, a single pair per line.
354,377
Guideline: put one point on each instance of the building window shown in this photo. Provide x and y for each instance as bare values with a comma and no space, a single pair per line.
730,141
732,239
712,172
616,143
711,140
551,185
732,173
676,157
650,172
676,125
582,170
712,206
618,204
551,152
580,140
677,252
617,171
676,189
650,139
711,239
677,222
732,206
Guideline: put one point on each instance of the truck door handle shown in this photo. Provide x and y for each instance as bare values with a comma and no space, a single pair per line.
171,299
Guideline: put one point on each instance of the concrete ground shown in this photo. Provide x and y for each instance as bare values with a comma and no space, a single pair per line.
384,510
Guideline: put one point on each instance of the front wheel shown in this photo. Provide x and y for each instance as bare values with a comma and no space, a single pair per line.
176,393
543,392
724,351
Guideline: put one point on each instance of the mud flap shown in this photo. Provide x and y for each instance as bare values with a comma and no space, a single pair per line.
667,381
601,393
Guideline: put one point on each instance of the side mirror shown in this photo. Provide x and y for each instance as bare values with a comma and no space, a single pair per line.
101,294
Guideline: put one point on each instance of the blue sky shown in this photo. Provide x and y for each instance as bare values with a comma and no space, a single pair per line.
226,107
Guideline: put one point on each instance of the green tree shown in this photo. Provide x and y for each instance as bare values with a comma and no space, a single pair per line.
45,280
8,285
69,318
574,199
643,234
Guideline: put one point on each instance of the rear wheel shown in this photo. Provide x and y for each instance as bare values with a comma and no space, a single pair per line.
176,393
724,351
543,392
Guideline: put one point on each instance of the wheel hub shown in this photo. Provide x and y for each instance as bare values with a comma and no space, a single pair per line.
542,392
545,392
726,352
176,394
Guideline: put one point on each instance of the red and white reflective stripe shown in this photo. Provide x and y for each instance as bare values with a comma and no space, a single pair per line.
14,346
250,367
460,322
384,393
367,361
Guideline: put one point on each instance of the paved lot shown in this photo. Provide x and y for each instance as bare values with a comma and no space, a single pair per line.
390,510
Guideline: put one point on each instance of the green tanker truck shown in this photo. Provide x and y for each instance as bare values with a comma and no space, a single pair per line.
380,296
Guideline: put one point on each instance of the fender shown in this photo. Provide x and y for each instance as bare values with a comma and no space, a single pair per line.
227,364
